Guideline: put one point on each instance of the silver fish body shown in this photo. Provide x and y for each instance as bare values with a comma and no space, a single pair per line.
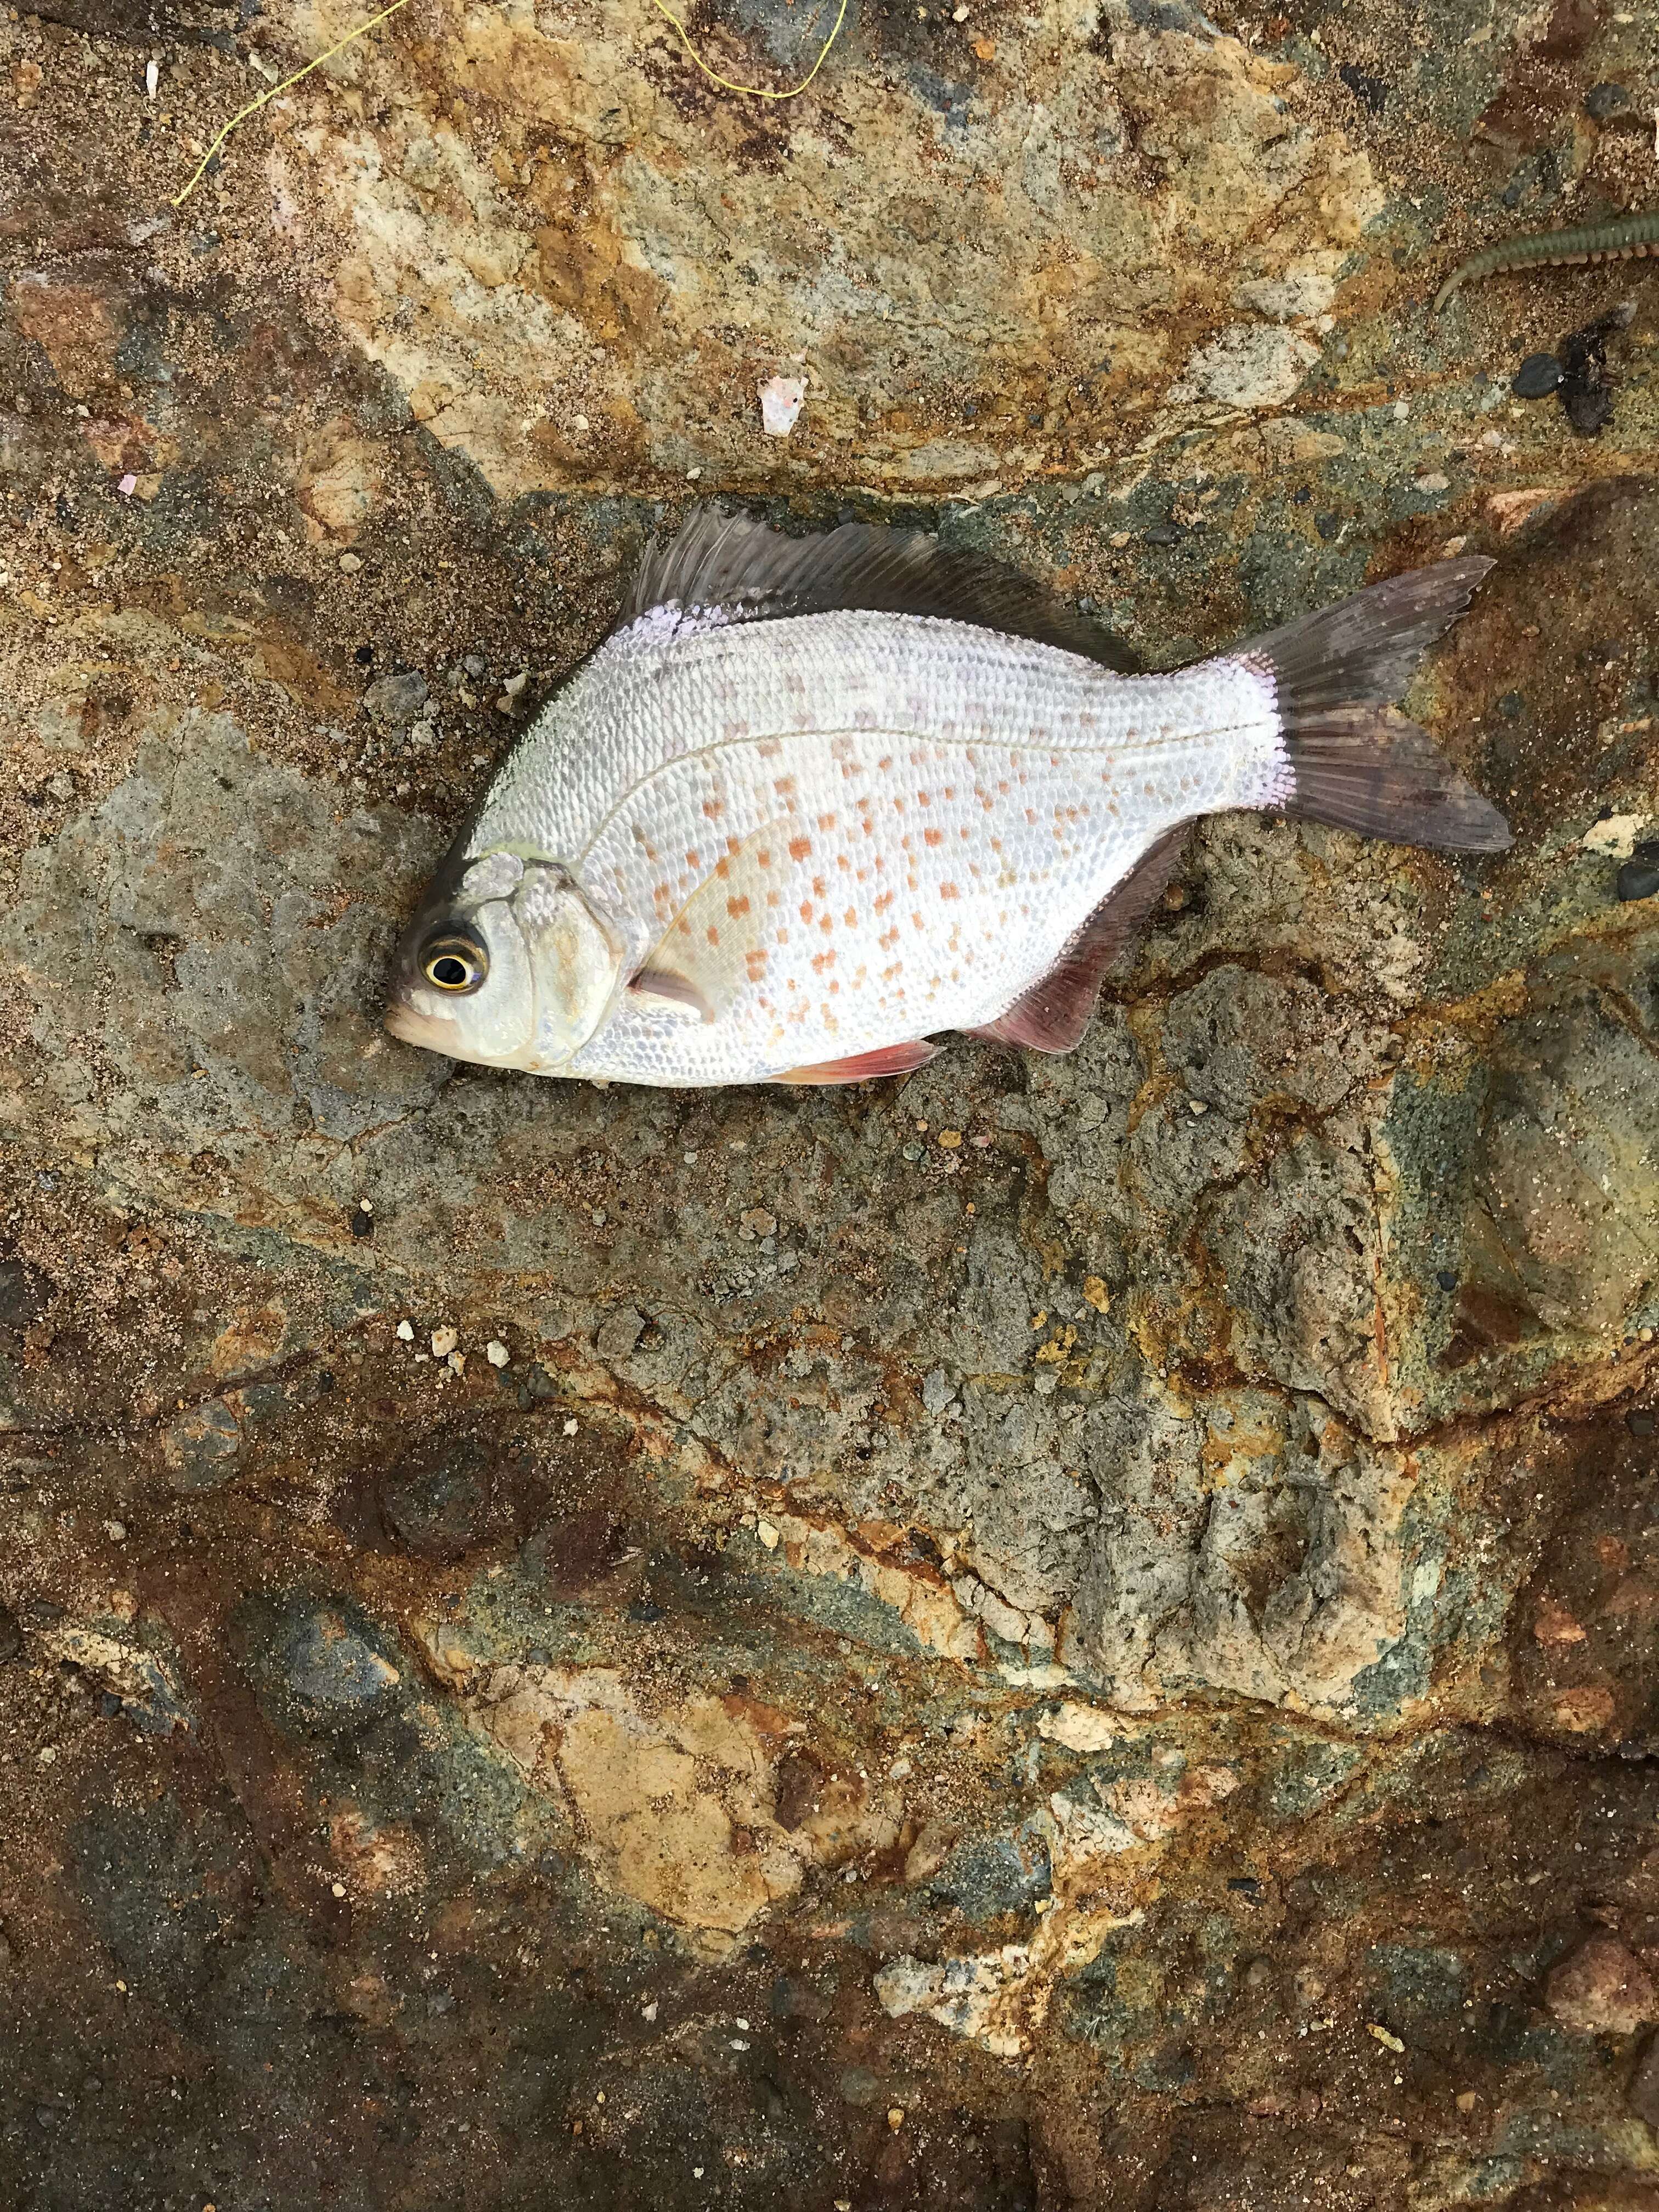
742,847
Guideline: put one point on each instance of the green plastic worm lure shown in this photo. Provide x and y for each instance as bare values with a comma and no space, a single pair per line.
1630,237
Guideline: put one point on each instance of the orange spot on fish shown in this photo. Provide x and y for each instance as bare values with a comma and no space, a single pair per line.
932,836
713,808
821,961
806,909
826,821
734,907
949,891
800,848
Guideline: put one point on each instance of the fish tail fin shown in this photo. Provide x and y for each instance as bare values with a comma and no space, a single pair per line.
1354,760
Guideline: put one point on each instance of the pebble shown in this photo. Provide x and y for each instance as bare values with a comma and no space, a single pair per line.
405,1331
395,701
350,564
1539,374
1638,879
1604,101
1446,1278
619,1333
1639,1424
895,2117
444,1341
496,1353
767,1534
1601,1989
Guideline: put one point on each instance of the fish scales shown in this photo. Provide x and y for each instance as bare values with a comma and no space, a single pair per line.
927,812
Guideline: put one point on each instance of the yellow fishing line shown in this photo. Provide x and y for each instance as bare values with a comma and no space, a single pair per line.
749,91
754,91
254,105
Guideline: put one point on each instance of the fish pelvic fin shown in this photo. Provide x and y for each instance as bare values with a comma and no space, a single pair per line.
861,1068
1352,759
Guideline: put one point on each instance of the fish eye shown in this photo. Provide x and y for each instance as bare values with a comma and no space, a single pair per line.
454,961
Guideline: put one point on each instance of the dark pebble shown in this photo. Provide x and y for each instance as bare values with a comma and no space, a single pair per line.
362,1225
364,656
1511,706
108,1704
644,1611
1642,1424
1371,91
1603,100
11,1636
1638,879
1163,533
1539,374
1446,1278
1327,526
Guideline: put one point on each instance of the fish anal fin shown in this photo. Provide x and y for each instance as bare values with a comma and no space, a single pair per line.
863,1067
1052,1016
726,569
677,990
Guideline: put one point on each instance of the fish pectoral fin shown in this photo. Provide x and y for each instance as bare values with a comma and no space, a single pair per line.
1054,1013
887,1059
674,990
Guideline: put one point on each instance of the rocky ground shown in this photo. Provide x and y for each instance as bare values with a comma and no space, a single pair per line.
1072,1633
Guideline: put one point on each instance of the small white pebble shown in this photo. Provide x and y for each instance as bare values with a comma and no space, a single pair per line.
571,1427
444,1340
580,422
350,564
958,15
743,2027
457,1362
691,476
339,1888
1196,1106
405,1331
767,1534
496,1353
152,76
648,2012
116,1531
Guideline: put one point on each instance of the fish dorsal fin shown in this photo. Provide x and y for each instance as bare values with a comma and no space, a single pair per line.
725,569
1054,1013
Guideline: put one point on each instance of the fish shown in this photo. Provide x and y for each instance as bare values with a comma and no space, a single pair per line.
816,803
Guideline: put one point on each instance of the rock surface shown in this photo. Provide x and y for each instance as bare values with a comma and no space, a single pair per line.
1071,1633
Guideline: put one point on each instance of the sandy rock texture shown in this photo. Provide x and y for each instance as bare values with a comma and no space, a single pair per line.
1062,1634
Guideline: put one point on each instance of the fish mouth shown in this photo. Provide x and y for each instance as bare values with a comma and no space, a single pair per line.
410,1028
